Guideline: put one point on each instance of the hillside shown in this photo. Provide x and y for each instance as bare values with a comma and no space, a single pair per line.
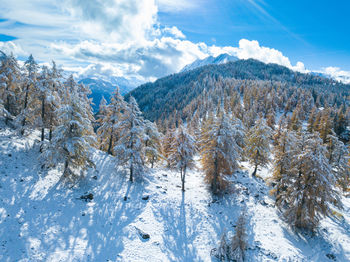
43,220
171,94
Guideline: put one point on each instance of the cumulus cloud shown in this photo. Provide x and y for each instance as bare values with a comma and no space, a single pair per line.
337,74
11,48
252,49
156,58
117,37
178,5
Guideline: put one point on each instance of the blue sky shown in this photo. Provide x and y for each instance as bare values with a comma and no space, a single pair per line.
146,39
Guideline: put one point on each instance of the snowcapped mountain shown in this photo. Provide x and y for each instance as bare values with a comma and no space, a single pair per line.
2,55
101,85
220,59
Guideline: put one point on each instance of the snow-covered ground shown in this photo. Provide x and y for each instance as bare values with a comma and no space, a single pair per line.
42,220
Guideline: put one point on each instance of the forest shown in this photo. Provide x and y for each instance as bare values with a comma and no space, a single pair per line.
216,115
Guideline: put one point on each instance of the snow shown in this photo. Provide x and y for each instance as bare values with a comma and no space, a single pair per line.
43,220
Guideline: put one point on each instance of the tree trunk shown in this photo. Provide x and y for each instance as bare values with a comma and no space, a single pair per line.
215,179
24,108
183,174
50,133
109,151
131,173
65,168
42,119
255,169
7,107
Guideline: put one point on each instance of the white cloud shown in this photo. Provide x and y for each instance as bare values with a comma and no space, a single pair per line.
174,31
178,5
11,47
337,74
118,37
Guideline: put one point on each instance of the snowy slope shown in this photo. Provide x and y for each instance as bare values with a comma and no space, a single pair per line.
41,220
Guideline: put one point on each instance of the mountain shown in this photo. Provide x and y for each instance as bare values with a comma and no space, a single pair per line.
2,55
104,86
220,59
172,94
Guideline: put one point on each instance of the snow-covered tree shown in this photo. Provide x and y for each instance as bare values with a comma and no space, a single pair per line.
152,140
10,86
166,144
30,80
102,110
238,243
3,111
108,132
309,185
258,145
284,152
338,156
182,153
72,139
223,251
233,249
58,93
129,148
220,149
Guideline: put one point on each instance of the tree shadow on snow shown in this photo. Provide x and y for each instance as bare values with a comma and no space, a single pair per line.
178,235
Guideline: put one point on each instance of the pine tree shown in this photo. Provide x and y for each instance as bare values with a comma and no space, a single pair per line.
47,100
309,185
239,240
108,131
30,79
258,145
57,94
295,123
284,153
182,154
130,147
339,160
311,120
72,139
166,144
10,86
220,149
152,140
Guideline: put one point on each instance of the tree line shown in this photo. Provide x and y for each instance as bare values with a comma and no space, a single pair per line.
226,125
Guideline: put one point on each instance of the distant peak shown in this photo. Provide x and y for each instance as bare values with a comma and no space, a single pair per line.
210,60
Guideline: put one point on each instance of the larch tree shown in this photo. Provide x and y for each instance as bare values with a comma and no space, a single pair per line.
220,149
284,152
108,131
152,140
129,148
238,243
30,80
47,100
338,156
310,185
72,139
182,153
257,145
10,86
100,117
166,144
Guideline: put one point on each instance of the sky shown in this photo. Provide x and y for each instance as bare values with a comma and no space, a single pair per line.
148,39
